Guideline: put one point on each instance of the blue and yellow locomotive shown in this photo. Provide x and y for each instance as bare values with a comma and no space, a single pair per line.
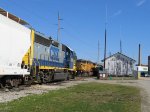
48,59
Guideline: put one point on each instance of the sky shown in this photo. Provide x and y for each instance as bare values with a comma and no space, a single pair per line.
83,24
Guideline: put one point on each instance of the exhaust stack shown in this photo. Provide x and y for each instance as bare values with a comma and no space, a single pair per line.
139,60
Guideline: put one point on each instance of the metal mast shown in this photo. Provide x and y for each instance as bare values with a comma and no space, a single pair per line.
105,47
58,30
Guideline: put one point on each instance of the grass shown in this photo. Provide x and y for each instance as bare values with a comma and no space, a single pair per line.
90,97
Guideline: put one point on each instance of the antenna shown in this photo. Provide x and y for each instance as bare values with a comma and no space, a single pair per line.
105,38
120,46
58,30
98,51
106,16
120,40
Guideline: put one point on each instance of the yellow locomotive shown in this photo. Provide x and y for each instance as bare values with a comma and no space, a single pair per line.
85,67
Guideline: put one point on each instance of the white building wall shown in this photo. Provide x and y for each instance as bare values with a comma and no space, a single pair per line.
119,65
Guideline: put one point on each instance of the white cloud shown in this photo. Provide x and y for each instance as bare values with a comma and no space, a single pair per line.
117,13
140,3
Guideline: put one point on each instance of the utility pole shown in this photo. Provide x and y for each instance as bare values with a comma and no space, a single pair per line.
58,30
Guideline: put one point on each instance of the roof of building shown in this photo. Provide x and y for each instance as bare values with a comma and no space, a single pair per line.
120,54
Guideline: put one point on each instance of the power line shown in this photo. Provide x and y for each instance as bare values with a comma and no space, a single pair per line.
28,10
76,29
86,51
78,39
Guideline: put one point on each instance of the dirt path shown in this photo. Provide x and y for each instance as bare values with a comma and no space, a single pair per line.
145,93
11,95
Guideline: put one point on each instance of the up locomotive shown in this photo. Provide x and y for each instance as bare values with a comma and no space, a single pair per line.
27,56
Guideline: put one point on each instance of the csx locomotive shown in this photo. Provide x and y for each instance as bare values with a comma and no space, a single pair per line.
28,56
85,67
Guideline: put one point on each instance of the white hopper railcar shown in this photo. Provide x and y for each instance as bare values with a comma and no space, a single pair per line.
14,43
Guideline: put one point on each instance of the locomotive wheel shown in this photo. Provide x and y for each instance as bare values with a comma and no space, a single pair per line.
49,77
